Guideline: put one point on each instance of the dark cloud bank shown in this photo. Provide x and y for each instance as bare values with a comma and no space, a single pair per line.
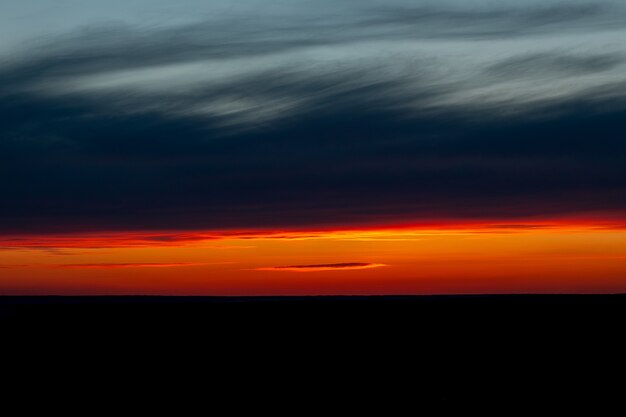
359,147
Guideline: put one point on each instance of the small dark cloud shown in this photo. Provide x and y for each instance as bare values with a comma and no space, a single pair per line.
323,267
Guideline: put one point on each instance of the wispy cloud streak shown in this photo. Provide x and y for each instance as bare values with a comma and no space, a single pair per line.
126,265
323,267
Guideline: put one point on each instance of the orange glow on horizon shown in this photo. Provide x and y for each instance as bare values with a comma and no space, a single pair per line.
179,238
525,257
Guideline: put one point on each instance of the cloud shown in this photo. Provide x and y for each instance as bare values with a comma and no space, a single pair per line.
323,267
106,265
100,49
496,20
59,243
127,265
554,64
81,244
505,114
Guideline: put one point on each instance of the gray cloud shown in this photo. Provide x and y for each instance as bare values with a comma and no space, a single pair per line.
546,64
497,20
116,48
314,122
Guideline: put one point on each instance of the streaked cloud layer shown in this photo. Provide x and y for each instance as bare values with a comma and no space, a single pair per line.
213,117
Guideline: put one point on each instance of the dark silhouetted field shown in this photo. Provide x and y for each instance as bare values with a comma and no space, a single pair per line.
452,350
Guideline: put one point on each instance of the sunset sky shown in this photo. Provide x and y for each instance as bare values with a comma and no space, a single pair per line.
299,148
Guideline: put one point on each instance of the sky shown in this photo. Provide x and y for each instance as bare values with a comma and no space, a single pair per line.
291,147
